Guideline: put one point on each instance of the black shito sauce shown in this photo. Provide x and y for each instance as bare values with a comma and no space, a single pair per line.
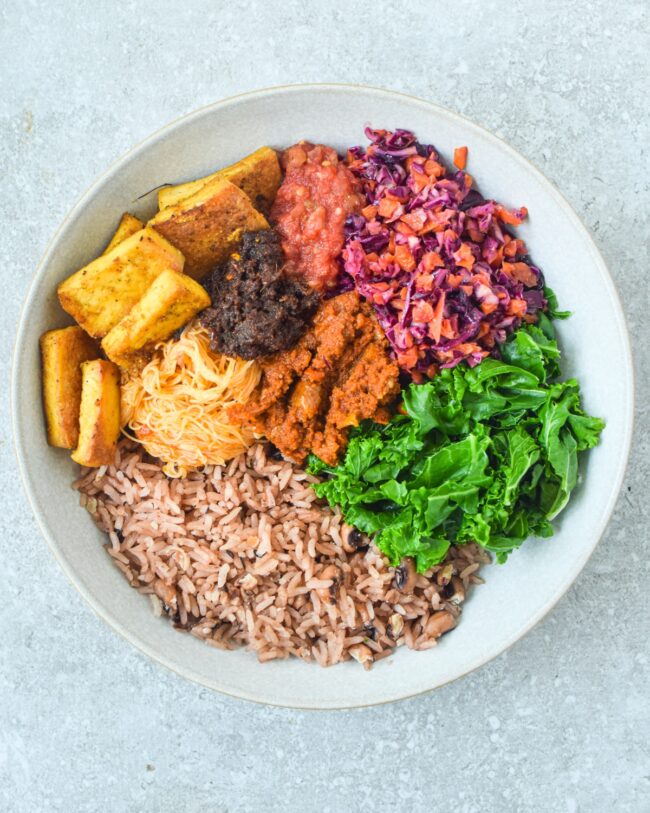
256,309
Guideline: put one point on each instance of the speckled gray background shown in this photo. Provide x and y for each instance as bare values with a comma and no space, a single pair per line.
559,723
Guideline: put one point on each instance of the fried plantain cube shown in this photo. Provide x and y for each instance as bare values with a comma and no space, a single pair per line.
128,225
169,303
62,353
258,175
105,290
99,415
206,226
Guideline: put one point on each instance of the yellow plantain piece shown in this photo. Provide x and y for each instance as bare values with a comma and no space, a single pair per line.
105,290
62,353
206,227
258,175
128,225
99,415
170,302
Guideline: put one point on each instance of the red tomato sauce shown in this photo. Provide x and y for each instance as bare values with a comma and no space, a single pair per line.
311,207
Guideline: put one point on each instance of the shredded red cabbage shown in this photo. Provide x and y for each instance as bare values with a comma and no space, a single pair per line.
448,282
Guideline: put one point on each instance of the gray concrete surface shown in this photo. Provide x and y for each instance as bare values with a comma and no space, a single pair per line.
559,723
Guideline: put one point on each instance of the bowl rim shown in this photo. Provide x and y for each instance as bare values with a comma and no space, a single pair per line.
287,90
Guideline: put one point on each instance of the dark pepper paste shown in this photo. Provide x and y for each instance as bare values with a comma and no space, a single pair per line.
256,309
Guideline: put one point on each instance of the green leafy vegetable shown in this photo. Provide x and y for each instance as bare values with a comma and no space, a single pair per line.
552,305
488,454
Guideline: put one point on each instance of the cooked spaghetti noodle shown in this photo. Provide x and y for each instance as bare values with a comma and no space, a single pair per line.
177,407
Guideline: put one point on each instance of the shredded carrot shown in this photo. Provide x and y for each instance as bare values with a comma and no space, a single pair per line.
434,169
431,260
464,257
460,157
422,311
517,307
435,326
520,271
387,207
405,259
512,218
403,228
408,358
415,219
420,182
424,283
488,307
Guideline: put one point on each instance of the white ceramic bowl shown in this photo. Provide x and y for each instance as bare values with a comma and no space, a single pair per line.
594,340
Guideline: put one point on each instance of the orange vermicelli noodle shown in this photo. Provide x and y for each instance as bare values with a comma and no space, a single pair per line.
178,405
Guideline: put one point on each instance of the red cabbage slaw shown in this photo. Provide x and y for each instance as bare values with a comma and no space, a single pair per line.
447,280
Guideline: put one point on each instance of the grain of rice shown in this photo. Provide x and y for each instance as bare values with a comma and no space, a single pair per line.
223,575
469,570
